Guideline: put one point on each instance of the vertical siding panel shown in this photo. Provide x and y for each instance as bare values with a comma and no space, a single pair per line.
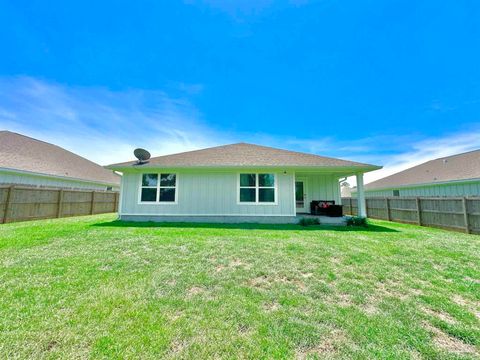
321,187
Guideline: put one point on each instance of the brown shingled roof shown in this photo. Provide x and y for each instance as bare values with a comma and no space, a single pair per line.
452,168
19,152
242,154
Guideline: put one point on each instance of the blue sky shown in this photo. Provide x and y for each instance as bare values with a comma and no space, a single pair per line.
393,83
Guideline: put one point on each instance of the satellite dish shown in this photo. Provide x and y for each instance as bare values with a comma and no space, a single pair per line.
142,155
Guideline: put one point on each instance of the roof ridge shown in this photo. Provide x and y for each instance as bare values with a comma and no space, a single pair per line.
244,154
302,153
192,151
260,146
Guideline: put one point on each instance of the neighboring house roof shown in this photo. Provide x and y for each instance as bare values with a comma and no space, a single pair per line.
458,167
244,155
23,153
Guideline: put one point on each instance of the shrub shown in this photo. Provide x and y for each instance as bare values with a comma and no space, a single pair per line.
309,221
357,221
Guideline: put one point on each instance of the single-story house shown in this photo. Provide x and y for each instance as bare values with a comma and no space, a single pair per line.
456,175
30,162
232,183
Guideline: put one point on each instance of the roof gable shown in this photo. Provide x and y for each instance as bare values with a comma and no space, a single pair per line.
19,152
243,155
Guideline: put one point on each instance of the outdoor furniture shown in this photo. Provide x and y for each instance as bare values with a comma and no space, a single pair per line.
326,208
335,211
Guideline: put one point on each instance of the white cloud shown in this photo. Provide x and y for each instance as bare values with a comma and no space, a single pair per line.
417,152
100,124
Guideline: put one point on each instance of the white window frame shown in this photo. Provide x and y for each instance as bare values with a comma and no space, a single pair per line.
257,187
158,187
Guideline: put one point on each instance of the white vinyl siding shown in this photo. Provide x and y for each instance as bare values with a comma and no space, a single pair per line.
320,187
208,193
441,190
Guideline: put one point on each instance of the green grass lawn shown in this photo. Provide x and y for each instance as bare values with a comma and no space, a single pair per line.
91,287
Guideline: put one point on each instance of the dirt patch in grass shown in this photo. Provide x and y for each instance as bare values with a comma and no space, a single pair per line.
174,316
439,315
416,292
292,281
51,345
271,306
392,289
176,347
220,268
233,264
449,343
261,281
473,307
195,290
244,329
328,347
265,282
370,307
236,263
344,300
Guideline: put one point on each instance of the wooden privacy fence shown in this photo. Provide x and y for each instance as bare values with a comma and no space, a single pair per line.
452,213
27,203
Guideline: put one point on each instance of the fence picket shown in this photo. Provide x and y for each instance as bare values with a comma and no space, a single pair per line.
7,204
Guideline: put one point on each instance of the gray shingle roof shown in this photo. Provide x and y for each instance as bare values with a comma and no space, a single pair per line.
451,168
19,152
244,155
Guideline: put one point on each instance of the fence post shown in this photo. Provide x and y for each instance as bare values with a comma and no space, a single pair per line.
7,204
60,203
465,215
387,204
92,203
419,211
115,202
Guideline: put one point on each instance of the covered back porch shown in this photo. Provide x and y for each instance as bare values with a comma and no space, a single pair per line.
323,186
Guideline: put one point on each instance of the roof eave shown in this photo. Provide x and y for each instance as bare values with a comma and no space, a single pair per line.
353,169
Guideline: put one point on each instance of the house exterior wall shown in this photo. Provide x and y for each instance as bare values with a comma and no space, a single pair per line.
321,187
212,196
46,181
206,193
441,190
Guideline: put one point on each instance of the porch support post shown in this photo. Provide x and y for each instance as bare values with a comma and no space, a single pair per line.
361,204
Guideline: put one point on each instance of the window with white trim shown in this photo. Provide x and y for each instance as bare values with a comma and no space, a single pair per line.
160,188
257,188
